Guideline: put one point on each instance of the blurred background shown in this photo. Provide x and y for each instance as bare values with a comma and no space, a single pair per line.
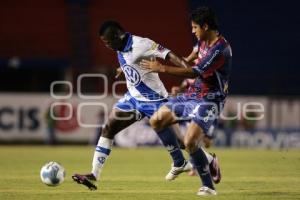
56,40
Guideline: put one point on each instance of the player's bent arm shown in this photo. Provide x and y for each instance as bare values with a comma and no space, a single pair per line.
185,72
176,60
156,66
214,60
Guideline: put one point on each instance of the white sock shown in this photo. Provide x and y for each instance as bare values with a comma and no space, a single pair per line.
208,156
102,151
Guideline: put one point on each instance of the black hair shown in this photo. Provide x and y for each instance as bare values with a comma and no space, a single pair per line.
110,27
205,15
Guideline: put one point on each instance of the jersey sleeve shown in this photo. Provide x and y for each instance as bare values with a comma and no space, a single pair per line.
212,61
154,49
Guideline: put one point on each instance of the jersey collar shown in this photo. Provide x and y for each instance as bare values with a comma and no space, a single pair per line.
128,45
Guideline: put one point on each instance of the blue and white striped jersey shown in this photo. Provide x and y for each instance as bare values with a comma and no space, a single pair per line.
142,84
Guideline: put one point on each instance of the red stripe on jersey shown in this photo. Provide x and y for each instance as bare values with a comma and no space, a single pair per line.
216,65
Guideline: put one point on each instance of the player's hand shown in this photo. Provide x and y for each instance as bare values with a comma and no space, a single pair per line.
153,66
118,72
175,90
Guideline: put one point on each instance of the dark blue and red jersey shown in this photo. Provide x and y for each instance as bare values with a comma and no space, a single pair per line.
213,68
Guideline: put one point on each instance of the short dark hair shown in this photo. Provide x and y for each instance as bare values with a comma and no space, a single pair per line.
205,15
109,27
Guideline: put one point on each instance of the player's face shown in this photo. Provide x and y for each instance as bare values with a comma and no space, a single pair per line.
112,43
198,31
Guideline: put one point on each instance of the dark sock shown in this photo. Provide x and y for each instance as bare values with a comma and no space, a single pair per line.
201,164
192,162
169,140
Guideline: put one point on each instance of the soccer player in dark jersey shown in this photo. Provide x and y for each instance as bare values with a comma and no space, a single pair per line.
207,141
204,100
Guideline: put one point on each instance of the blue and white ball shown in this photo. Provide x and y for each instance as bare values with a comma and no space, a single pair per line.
52,174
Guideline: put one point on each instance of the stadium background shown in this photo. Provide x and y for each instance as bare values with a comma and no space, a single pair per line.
46,41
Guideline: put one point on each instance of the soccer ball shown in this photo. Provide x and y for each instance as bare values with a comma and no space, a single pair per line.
52,174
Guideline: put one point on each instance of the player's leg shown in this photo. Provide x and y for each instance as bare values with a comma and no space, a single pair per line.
194,133
214,166
164,117
117,121
160,122
122,116
170,113
166,135
180,164
212,159
179,135
203,123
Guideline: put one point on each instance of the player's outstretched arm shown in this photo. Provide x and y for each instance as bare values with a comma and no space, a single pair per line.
214,60
156,66
176,60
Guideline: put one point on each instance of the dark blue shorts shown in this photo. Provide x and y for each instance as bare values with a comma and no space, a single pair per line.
203,112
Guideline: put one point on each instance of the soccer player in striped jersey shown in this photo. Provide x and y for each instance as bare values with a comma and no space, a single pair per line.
146,93
204,100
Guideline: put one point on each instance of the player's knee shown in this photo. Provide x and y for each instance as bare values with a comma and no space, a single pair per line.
156,124
190,145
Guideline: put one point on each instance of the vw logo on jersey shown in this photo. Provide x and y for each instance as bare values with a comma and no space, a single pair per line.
132,75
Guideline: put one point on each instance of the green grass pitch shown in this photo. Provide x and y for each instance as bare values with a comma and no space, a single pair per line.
138,174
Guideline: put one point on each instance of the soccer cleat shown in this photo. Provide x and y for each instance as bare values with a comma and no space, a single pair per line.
86,180
175,171
215,170
206,191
